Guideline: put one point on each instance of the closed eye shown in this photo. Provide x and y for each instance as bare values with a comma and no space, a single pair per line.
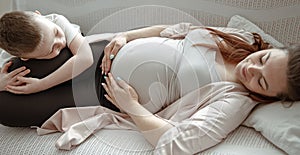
55,31
262,81
261,59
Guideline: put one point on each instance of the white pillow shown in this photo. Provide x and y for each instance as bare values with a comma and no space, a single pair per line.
240,22
4,57
279,124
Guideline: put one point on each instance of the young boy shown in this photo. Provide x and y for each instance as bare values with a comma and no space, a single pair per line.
30,35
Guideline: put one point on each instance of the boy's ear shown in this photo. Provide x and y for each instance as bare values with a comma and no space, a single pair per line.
37,12
24,59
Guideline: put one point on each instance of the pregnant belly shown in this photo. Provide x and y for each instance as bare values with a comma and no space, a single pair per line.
150,65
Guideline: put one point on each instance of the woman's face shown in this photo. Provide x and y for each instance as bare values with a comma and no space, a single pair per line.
264,72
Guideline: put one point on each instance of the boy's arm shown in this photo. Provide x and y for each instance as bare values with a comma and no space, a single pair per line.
82,59
80,48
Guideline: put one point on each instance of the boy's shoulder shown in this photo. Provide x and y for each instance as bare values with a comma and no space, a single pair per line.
53,17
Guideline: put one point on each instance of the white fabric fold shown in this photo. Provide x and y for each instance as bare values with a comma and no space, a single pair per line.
79,123
189,114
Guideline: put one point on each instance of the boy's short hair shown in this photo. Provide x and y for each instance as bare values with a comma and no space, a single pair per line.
19,33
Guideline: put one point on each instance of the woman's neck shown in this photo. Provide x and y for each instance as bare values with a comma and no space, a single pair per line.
226,69
230,73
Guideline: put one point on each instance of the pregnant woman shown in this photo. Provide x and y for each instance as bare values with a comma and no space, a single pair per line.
185,94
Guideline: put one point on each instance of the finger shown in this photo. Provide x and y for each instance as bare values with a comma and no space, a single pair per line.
112,81
27,71
15,89
23,79
109,96
108,86
103,65
115,49
111,56
109,47
122,83
107,52
16,83
5,67
110,99
107,80
16,71
107,66
107,89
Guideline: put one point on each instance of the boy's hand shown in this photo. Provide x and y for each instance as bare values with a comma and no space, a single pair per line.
29,85
11,78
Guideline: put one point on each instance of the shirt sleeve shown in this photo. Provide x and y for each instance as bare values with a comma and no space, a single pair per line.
70,30
205,128
181,29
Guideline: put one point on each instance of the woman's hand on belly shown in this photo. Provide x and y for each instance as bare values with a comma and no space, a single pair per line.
120,93
111,50
125,97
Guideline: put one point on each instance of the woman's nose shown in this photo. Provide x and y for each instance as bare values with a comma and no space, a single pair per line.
254,69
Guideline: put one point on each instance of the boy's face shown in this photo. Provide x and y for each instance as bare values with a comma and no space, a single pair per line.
53,40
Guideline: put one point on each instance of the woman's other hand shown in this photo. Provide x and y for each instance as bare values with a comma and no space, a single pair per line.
11,78
111,50
122,95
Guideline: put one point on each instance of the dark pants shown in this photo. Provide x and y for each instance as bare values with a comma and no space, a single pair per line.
34,109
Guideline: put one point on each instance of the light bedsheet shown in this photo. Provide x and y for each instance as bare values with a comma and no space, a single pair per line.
24,141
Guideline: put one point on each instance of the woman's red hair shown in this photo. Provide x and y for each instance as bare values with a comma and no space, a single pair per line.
235,49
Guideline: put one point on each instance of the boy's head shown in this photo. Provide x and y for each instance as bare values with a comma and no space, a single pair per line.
30,35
